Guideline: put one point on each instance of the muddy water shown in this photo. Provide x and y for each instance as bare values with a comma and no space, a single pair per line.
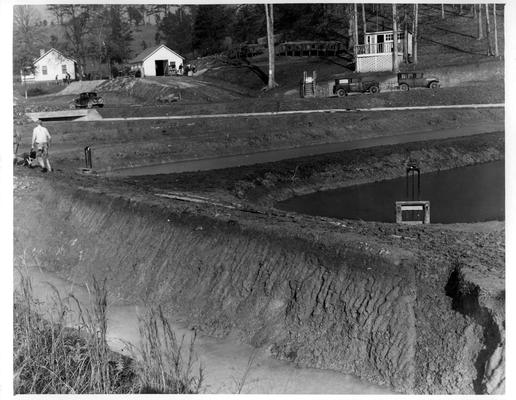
225,361
468,194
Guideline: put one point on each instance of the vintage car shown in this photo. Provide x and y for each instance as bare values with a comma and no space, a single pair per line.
407,80
344,86
87,100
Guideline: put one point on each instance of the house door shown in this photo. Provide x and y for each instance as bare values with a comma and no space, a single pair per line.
380,39
161,67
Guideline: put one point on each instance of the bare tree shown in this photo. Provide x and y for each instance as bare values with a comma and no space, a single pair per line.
414,34
480,34
269,17
497,52
395,39
27,39
355,24
488,32
364,21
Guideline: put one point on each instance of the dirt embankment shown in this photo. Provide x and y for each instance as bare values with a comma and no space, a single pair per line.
119,144
391,304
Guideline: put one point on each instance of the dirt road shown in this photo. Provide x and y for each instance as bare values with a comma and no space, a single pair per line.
319,111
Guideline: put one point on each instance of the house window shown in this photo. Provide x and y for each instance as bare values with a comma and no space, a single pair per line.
44,70
63,68
388,37
172,65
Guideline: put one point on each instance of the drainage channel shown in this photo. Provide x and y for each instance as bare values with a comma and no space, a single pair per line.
297,152
467,194
224,360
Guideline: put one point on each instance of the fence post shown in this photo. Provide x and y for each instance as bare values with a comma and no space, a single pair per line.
87,157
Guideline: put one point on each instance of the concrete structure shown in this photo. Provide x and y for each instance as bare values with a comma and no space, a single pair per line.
157,61
376,53
51,64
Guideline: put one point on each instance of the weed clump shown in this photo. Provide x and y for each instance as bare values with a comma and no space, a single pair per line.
51,357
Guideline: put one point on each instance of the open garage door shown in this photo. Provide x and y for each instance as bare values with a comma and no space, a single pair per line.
161,67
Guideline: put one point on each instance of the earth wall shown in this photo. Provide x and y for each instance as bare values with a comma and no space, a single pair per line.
344,302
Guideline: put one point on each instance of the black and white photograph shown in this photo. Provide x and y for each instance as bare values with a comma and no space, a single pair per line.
225,198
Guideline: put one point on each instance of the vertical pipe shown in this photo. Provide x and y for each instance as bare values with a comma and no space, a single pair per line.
413,184
418,184
406,185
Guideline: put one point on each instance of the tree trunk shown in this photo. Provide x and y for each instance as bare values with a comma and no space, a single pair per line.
414,35
269,17
395,39
488,32
460,9
442,10
480,34
355,24
364,21
405,41
497,52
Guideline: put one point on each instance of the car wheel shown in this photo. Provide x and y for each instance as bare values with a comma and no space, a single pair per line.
341,93
374,89
404,87
434,85
90,104
72,106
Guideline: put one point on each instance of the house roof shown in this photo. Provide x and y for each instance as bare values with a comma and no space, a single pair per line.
150,51
49,51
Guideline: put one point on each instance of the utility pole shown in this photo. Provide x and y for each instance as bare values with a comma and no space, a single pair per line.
395,39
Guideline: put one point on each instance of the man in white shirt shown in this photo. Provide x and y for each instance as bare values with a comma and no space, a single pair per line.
40,141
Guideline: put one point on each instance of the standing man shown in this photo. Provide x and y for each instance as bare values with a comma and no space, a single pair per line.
40,141
16,139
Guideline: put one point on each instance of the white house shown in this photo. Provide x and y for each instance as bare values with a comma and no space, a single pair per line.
51,64
157,61
376,53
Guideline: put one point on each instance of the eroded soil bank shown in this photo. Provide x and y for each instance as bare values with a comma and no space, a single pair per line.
418,308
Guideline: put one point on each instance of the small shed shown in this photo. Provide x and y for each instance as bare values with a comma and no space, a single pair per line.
52,65
157,61
376,53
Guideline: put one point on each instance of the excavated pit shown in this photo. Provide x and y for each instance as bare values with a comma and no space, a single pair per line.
345,302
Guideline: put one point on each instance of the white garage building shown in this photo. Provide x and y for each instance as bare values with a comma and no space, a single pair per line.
157,61
51,64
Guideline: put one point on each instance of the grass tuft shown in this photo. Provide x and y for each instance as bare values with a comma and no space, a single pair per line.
50,357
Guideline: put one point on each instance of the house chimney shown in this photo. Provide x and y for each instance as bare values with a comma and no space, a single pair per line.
41,52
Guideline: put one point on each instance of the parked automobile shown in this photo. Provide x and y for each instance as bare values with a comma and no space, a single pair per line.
407,80
344,86
87,100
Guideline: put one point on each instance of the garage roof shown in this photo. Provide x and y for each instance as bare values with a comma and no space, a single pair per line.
149,52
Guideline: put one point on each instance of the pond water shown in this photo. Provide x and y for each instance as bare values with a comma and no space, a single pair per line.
468,194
